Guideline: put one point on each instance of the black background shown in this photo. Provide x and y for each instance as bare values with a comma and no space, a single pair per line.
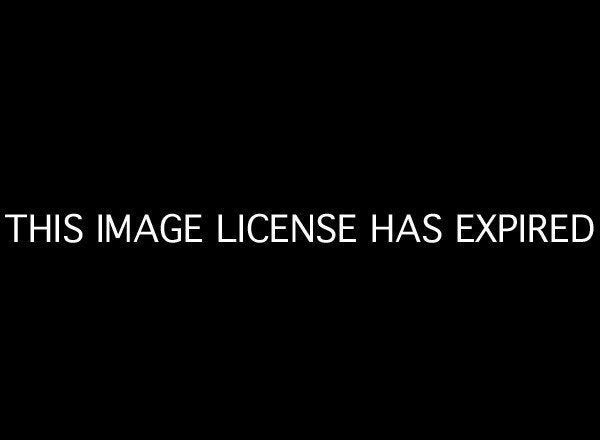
386,112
